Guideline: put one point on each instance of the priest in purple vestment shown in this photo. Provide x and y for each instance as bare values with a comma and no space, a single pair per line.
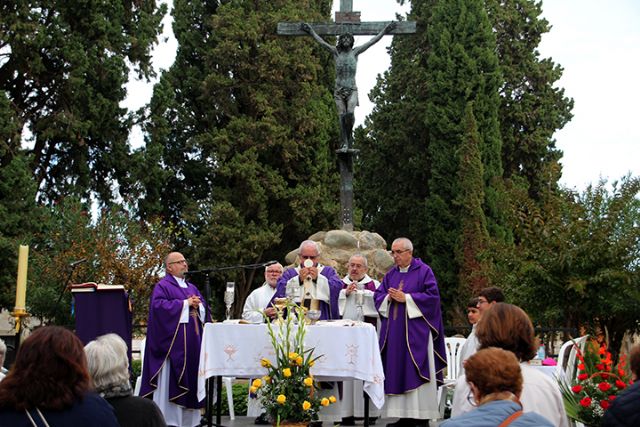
323,283
177,313
411,338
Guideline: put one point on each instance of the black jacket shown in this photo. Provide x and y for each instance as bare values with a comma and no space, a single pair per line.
625,409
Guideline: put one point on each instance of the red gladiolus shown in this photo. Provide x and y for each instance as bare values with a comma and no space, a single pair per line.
620,384
581,367
600,366
585,401
604,404
583,377
602,350
576,388
604,386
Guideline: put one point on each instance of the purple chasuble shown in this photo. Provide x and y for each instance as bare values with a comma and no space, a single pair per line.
327,311
403,341
167,338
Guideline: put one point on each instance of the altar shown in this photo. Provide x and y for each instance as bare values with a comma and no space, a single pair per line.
349,350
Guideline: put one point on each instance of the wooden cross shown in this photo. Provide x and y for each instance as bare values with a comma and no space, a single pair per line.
347,21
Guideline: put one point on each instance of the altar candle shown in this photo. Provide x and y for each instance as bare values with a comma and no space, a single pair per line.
21,284
315,304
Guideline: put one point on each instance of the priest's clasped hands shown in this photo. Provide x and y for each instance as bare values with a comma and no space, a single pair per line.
193,301
397,295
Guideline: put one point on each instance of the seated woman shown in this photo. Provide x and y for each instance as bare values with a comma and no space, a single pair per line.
508,327
49,385
495,382
109,367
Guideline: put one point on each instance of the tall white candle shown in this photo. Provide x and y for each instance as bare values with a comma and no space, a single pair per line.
21,283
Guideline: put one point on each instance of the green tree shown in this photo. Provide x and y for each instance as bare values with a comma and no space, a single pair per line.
474,238
575,263
532,106
63,68
241,135
20,220
418,128
119,249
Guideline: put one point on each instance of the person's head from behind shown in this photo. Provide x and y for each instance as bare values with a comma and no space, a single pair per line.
493,372
473,313
634,362
50,372
108,362
489,296
508,327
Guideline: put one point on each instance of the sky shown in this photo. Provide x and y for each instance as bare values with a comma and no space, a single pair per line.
598,45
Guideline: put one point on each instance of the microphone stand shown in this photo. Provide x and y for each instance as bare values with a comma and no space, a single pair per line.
72,268
207,294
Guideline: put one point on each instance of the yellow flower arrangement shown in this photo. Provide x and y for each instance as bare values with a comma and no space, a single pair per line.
288,391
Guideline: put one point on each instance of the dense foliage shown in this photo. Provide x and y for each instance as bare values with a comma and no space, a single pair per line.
241,135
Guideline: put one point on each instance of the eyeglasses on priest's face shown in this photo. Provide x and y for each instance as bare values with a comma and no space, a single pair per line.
308,256
181,261
398,251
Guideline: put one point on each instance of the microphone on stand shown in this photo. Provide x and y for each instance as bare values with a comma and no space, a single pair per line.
76,263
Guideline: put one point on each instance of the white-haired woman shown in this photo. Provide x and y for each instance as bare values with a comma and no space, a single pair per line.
108,365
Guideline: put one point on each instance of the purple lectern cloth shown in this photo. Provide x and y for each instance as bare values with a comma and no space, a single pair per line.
103,312
327,311
179,342
403,341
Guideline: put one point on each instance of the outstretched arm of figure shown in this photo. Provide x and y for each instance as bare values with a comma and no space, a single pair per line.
386,30
309,30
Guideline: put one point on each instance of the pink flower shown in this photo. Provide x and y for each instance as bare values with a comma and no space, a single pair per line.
576,388
604,386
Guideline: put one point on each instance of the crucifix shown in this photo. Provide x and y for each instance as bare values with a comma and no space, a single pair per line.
347,24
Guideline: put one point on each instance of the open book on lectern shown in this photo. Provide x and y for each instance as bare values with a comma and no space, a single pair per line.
93,286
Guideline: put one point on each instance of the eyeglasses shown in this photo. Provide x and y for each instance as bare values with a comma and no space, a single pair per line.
471,399
482,301
274,271
182,261
399,251
308,256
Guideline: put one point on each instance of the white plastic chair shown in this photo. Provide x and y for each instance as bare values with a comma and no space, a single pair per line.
567,370
452,346
136,391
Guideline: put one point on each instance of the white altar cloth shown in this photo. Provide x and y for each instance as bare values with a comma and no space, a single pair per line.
348,349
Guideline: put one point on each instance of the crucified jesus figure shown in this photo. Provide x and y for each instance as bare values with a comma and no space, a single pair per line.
346,92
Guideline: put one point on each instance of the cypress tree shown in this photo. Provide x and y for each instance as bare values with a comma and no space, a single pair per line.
241,130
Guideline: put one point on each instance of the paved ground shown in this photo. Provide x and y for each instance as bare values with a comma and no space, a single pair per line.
248,422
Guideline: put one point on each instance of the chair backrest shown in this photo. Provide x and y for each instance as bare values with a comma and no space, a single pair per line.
566,369
452,346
